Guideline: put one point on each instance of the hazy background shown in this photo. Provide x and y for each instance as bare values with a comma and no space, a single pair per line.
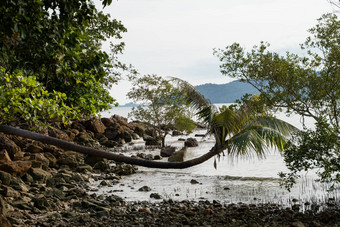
177,37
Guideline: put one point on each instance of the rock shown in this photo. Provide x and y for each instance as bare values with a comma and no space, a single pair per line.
193,181
114,199
178,156
297,224
149,157
191,142
135,136
52,160
16,168
19,184
3,207
5,177
112,133
40,175
152,141
92,160
144,189
167,151
95,125
155,196
124,169
102,166
84,138
12,149
32,148
39,158
55,193
84,168
120,120
10,192
127,137
139,129
121,141
110,143
57,133
4,155
157,157
108,122
141,155
104,183
4,222
176,133
69,160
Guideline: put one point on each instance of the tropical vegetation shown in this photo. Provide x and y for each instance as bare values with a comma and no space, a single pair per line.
307,85
55,47
161,105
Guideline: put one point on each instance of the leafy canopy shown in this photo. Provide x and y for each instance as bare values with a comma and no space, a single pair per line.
161,104
307,85
58,43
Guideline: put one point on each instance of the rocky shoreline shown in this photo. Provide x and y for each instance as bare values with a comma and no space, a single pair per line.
42,185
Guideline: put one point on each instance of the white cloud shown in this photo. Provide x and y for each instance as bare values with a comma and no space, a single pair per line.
176,37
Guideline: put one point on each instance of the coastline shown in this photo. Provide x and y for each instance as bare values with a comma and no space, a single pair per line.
42,185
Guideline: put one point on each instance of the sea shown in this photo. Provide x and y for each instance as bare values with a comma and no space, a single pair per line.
235,180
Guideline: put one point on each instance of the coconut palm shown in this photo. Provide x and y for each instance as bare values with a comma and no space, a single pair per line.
242,131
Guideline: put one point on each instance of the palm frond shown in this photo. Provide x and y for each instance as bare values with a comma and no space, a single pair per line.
246,143
281,126
256,139
205,110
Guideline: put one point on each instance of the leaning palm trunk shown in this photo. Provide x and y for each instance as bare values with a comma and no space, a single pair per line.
237,132
108,155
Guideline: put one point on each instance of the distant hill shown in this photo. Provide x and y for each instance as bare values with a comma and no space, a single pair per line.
226,93
130,104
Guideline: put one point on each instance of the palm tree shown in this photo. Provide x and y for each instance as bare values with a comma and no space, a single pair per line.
239,132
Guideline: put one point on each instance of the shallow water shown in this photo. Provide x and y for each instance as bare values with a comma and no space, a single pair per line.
235,180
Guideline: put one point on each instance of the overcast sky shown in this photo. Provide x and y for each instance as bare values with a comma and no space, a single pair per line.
177,37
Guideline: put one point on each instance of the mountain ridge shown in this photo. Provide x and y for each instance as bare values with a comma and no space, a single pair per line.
226,93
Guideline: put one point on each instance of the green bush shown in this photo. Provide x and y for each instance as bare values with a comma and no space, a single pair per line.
23,98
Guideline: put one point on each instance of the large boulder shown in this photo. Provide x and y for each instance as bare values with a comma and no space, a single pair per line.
69,159
137,128
178,156
34,148
40,175
108,122
95,125
57,133
39,160
127,137
85,138
112,133
16,168
191,142
12,149
167,151
152,141
120,120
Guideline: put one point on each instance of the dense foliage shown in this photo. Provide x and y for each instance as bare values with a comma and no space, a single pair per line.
22,97
161,105
58,45
308,85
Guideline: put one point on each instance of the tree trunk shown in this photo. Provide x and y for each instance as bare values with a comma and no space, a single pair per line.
104,154
163,141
